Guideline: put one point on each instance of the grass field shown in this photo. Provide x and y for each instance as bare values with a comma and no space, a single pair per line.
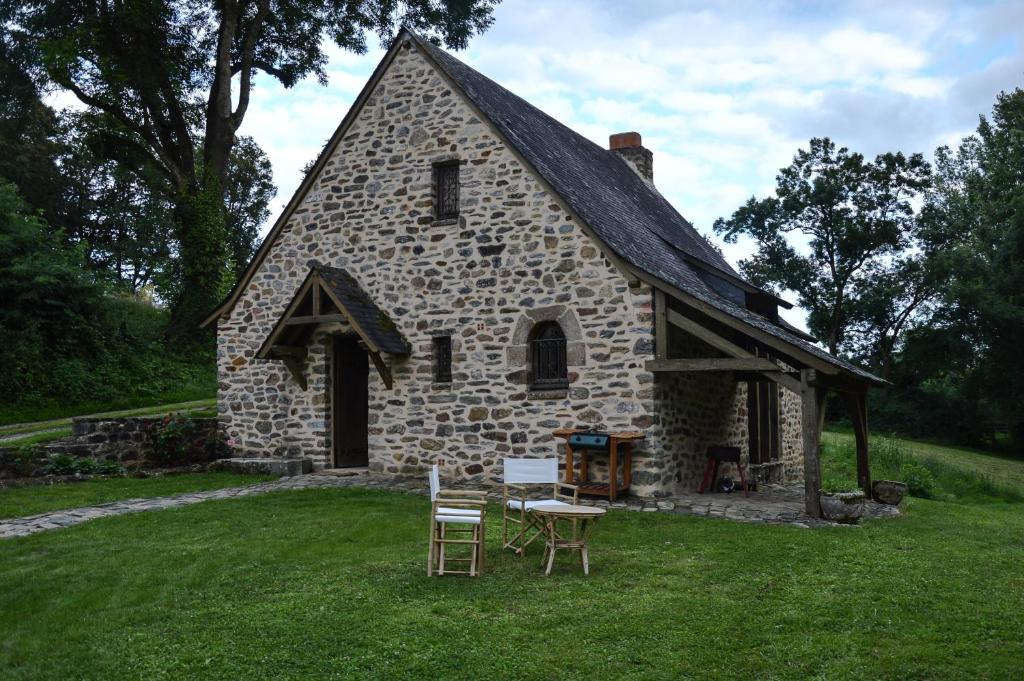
36,418
932,471
1007,469
331,584
22,501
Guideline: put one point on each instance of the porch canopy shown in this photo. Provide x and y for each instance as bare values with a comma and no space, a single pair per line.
331,295
756,347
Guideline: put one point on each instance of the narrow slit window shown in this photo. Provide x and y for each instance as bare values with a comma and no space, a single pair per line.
446,190
442,359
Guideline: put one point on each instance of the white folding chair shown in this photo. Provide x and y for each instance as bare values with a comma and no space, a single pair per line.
467,514
516,507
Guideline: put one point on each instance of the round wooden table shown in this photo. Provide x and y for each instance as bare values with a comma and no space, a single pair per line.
583,520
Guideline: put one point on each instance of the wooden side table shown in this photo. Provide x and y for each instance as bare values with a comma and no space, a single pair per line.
583,520
618,442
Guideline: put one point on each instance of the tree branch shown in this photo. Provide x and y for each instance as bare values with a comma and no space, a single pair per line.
248,54
153,146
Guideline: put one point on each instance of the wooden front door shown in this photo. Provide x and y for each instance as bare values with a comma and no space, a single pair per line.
350,370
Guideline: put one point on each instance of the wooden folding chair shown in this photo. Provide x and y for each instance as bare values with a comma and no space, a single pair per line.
454,516
516,505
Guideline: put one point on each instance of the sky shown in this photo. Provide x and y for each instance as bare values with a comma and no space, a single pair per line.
723,93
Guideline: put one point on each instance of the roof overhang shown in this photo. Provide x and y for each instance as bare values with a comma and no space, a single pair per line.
330,295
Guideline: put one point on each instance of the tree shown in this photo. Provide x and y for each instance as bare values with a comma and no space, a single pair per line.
165,72
976,229
249,192
859,218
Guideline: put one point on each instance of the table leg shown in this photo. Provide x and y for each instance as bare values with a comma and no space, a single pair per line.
613,471
568,463
551,551
627,471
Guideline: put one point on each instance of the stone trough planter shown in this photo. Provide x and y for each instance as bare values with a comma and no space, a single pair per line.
889,492
842,507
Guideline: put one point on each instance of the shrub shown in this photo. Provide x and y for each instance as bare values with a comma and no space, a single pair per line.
920,481
61,464
179,441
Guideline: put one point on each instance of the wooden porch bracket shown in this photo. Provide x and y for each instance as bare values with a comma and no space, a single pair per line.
382,368
660,325
294,367
706,335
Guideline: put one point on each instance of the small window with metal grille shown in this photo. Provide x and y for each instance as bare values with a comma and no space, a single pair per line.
442,359
446,190
548,370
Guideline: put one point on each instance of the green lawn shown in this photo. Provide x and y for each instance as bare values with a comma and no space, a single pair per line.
331,584
22,501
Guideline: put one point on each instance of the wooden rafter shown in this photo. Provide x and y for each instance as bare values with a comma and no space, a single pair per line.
713,364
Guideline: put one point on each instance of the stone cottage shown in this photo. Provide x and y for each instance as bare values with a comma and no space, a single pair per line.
459,275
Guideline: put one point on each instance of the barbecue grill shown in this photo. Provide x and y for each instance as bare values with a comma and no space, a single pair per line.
592,440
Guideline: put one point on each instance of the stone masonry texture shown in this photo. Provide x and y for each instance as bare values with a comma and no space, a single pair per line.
513,257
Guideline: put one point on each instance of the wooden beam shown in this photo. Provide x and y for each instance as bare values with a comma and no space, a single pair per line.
838,383
316,319
812,405
707,335
784,379
660,325
712,364
295,369
382,368
859,413
294,351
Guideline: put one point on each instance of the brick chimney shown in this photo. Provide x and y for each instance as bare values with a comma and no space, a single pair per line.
628,146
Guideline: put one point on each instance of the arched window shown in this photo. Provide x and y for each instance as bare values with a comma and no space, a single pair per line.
547,357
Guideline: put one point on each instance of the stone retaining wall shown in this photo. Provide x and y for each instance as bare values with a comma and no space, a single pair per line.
125,439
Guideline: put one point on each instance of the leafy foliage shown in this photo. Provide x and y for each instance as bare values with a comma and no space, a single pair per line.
162,74
859,221
179,441
64,338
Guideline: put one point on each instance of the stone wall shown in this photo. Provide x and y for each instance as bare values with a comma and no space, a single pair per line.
122,439
513,257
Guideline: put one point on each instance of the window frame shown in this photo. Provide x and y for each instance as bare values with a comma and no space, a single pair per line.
549,367
442,172
442,350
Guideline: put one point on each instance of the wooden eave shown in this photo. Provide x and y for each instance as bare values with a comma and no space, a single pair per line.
319,305
825,373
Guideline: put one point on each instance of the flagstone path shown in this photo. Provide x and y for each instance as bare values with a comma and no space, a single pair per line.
776,504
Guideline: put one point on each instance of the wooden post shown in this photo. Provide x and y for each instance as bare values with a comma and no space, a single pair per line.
859,412
812,404
660,325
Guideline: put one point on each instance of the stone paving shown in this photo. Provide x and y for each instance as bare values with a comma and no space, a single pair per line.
781,504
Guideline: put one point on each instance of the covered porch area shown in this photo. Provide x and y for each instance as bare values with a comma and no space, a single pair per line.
695,338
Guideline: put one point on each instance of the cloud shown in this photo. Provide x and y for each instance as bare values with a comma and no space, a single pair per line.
723,93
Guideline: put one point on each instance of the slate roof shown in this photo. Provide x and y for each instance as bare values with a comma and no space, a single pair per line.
629,215
374,322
